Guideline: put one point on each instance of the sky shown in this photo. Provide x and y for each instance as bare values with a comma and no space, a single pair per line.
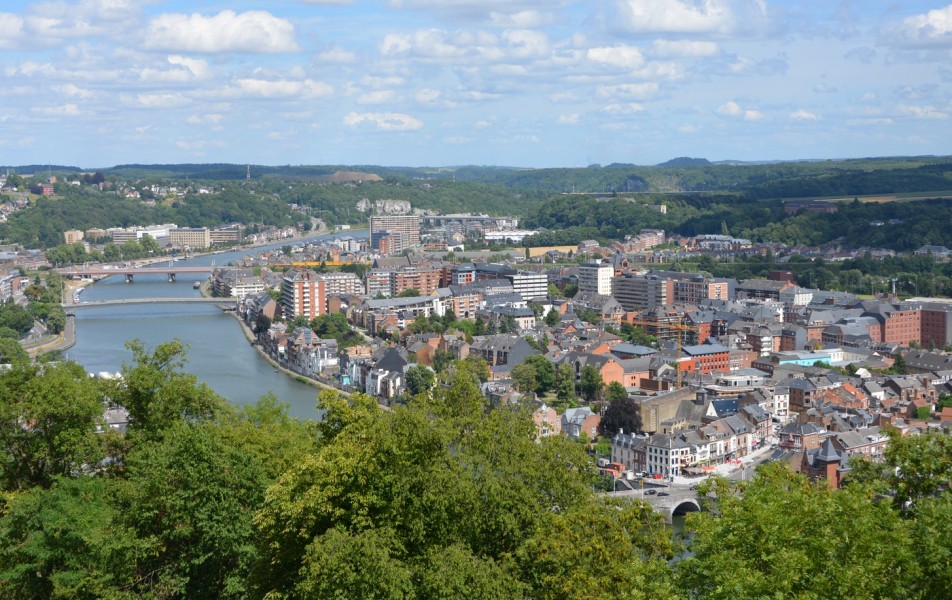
527,83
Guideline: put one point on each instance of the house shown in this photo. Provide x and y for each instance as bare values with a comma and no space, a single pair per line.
576,421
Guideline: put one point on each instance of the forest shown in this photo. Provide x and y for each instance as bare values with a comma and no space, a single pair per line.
442,497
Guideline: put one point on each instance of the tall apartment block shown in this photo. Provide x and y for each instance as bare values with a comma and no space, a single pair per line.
390,234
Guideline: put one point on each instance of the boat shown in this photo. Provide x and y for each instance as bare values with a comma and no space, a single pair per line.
196,285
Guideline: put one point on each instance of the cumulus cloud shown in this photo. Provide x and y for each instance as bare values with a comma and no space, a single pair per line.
925,113
690,16
69,89
623,108
570,119
933,28
253,32
622,57
684,49
337,56
64,110
161,100
803,115
209,119
11,31
283,88
377,97
638,91
732,109
441,45
187,69
384,121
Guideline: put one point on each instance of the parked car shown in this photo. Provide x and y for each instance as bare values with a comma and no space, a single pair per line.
657,476
650,492
663,494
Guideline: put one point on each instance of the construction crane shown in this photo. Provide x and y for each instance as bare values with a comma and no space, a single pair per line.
665,330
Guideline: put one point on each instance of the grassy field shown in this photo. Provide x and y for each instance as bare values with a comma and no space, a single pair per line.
882,198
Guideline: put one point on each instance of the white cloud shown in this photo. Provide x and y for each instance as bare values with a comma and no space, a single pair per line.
803,115
11,31
209,119
525,19
377,97
690,16
69,89
188,69
925,113
638,91
684,49
427,96
825,88
161,100
732,109
468,45
65,110
284,88
337,56
253,32
933,28
571,119
623,109
622,57
384,121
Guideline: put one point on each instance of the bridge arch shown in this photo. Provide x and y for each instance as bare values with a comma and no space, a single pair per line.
685,506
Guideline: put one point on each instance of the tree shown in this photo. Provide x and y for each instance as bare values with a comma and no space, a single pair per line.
524,376
11,352
544,372
552,317
56,319
752,544
419,380
409,293
621,414
441,360
615,391
591,382
914,467
157,394
923,412
49,424
565,383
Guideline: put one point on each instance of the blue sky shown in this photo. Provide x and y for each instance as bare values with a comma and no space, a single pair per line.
532,83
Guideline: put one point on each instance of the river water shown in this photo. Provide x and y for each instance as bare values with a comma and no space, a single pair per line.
218,352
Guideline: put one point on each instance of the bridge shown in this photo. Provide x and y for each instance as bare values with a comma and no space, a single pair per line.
678,501
229,303
98,272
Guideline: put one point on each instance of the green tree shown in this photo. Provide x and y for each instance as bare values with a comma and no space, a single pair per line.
441,360
158,394
524,377
615,391
552,317
419,380
753,545
544,372
409,293
49,424
591,382
565,384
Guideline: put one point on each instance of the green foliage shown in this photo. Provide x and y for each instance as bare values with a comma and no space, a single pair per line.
336,326
524,378
47,424
419,379
409,293
914,467
591,382
158,394
552,317
923,412
781,536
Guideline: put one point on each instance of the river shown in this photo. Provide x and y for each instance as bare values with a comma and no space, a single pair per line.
218,353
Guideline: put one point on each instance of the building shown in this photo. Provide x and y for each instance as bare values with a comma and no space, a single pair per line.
529,285
399,232
596,277
305,293
190,237
224,235
72,236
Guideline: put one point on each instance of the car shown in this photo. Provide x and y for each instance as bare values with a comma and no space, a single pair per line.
650,492
663,494
657,476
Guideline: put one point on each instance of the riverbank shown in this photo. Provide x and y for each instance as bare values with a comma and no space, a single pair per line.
63,341
249,335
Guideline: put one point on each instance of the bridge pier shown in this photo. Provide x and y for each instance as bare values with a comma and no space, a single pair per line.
171,277
128,277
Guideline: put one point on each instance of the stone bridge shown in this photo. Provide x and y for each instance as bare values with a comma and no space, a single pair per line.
677,501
